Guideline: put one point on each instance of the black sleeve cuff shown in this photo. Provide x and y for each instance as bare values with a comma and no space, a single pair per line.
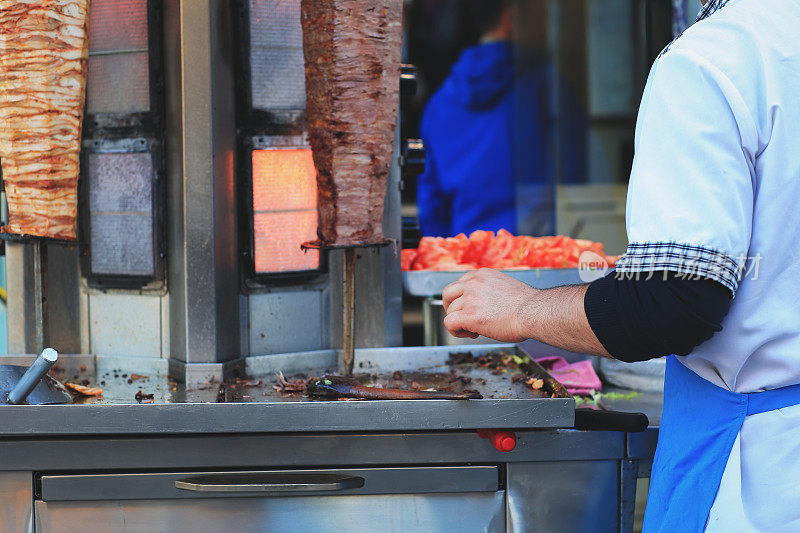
659,314
602,311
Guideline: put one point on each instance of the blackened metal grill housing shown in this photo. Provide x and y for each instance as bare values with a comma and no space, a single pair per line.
130,126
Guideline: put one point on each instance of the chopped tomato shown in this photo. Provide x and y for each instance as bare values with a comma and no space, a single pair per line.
478,243
503,251
499,249
407,258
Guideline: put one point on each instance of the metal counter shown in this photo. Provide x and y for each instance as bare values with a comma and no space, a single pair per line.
559,480
110,463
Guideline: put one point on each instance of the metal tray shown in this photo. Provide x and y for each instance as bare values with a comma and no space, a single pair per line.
427,283
176,410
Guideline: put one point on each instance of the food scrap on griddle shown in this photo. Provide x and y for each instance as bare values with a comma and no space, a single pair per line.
535,383
496,362
290,386
84,390
520,367
143,397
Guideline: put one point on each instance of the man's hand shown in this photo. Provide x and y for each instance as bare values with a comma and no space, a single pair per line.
489,303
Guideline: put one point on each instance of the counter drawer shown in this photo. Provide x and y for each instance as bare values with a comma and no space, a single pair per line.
267,483
462,499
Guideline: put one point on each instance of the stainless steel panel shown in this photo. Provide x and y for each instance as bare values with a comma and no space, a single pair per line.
173,138
204,452
392,275
19,280
68,363
125,325
370,326
642,445
315,362
628,474
563,497
287,416
430,283
205,374
203,271
108,365
461,513
288,321
435,334
63,298
450,479
16,501
639,375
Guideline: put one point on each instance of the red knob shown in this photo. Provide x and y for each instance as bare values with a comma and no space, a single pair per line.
504,441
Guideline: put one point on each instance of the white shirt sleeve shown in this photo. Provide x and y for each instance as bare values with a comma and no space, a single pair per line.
690,198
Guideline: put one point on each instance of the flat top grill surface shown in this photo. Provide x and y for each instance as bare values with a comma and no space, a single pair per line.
252,405
121,387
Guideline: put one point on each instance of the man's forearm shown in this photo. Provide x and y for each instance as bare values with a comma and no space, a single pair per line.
636,319
557,317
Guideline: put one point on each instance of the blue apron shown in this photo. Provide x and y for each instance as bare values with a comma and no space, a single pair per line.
699,425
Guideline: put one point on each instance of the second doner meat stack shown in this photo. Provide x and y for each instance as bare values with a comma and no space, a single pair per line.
352,54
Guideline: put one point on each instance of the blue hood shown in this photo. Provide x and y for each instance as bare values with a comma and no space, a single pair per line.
481,76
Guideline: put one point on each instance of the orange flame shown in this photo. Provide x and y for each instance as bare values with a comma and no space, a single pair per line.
285,209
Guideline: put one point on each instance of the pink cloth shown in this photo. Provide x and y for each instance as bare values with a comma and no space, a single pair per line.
578,378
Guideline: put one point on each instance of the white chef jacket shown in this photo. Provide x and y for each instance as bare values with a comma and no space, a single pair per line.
715,180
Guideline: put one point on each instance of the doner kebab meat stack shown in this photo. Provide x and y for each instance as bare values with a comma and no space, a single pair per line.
43,63
352,52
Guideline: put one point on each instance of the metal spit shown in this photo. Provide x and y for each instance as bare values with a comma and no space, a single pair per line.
347,356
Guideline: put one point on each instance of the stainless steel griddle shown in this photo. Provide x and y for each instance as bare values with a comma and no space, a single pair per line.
250,406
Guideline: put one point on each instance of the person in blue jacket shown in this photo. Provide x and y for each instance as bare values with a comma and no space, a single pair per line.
486,138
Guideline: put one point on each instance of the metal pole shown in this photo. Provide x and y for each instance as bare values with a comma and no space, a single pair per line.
40,294
349,315
33,376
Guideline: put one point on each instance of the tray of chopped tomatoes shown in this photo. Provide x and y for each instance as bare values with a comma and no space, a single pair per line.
541,262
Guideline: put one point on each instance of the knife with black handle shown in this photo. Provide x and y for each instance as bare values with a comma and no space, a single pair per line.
594,420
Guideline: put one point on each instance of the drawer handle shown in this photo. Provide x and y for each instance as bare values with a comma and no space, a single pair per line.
273,482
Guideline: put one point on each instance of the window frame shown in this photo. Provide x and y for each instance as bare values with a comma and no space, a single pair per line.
110,133
259,129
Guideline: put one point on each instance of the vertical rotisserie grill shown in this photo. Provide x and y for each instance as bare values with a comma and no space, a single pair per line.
43,64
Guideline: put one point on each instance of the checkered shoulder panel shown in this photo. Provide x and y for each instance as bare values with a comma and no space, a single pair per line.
693,261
